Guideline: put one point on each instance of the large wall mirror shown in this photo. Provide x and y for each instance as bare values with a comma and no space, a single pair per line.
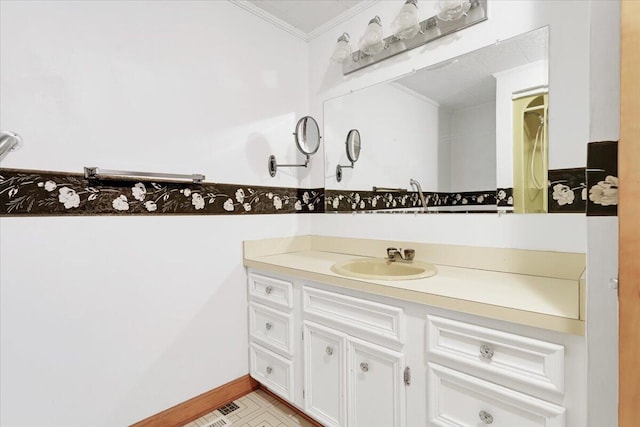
471,131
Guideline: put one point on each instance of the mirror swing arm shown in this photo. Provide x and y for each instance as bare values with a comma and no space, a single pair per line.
273,165
339,170
307,137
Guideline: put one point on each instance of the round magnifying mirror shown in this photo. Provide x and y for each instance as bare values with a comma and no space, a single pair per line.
353,145
307,135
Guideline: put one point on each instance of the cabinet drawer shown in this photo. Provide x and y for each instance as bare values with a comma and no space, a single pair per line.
271,291
513,358
271,328
367,319
274,371
457,399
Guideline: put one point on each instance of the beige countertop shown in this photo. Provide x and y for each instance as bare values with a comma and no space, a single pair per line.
534,300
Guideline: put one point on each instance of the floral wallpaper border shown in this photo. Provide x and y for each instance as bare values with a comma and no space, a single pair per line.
366,200
45,193
567,191
593,190
504,197
602,178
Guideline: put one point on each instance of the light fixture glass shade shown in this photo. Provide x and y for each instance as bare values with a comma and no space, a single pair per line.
372,42
450,10
343,49
406,25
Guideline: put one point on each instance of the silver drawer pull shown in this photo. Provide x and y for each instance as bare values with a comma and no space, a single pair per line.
269,369
364,366
486,351
268,290
329,350
485,417
268,326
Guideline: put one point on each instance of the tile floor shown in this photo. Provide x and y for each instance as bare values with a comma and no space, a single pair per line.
257,409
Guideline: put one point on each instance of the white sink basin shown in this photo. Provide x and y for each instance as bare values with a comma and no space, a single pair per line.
382,269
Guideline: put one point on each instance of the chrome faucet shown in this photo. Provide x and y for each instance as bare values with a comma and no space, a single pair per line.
395,254
418,187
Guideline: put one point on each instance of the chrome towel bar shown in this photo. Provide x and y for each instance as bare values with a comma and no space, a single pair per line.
107,174
378,189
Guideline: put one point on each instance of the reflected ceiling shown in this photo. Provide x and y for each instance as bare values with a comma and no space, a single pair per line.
473,74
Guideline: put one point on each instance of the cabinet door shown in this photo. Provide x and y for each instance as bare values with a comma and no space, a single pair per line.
325,374
376,386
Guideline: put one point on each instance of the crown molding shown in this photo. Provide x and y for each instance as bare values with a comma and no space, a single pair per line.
261,13
344,16
402,88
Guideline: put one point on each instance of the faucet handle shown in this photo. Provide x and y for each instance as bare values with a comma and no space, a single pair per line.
391,252
409,254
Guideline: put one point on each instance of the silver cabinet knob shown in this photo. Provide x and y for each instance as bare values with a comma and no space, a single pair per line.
268,326
485,417
364,366
268,290
486,351
329,350
269,369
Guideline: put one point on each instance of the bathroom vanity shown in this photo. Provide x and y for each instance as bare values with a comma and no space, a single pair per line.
495,337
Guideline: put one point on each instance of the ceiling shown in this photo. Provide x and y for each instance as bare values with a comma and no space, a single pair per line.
468,80
305,18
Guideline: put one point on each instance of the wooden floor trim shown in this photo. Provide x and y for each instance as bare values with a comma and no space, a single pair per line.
194,408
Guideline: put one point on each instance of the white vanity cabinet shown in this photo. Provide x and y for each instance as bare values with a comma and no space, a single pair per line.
350,358
352,376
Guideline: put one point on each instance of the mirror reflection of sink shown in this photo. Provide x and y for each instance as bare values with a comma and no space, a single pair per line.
382,269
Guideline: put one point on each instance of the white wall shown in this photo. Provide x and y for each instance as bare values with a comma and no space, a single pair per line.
569,103
602,254
107,320
445,135
405,122
473,148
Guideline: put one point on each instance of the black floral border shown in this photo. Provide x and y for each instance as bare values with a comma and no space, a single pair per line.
504,197
367,200
602,178
46,193
567,190
23,192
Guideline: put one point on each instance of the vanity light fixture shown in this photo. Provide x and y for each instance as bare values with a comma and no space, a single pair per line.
408,33
372,42
342,50
450,10
406,25
9,141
